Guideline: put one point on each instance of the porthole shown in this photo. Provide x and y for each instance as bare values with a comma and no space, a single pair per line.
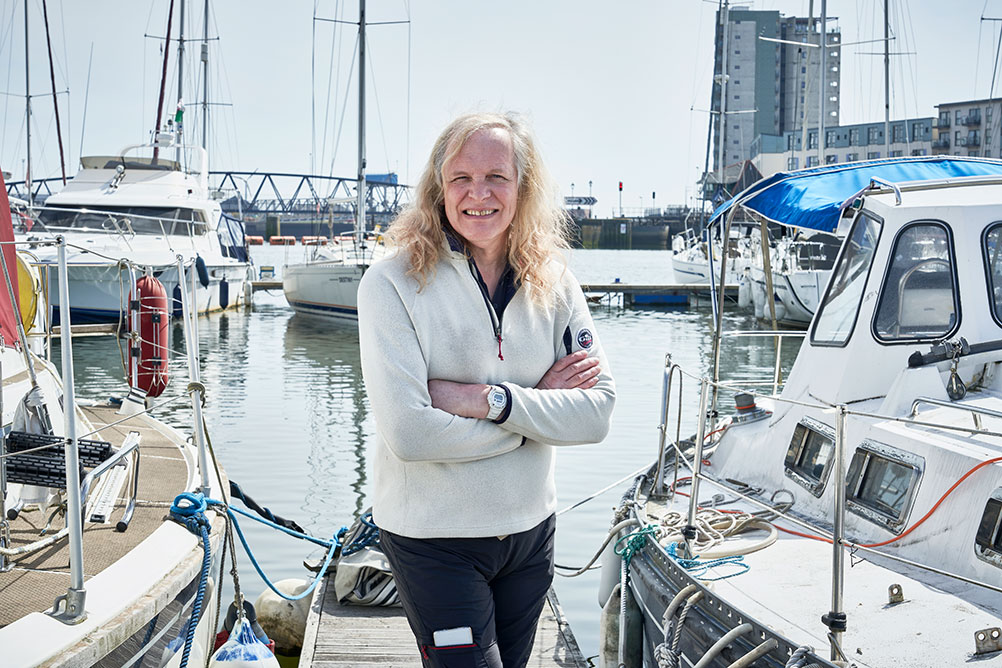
809,457
988,542
882,482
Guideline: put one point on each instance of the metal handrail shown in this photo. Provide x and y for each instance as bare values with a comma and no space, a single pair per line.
129,445
975,411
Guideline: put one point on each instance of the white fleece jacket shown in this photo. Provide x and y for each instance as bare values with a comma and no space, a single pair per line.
437,475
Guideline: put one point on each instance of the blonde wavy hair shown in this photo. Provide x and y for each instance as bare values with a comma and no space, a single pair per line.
538,232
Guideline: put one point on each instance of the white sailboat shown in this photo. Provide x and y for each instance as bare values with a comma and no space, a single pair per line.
327,284
93,572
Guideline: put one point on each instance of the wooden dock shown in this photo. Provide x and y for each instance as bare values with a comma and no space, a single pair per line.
671,294
350,636
675,294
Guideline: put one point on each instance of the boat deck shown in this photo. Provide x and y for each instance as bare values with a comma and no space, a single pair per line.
37,579
346,636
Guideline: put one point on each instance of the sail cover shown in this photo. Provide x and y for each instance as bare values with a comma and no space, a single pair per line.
8,311
812,198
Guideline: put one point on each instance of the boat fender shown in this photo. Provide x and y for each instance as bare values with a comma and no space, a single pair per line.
744,290
151,369
176,308
284,620
203,272
243,650
250,614
224,293
612,564
608,630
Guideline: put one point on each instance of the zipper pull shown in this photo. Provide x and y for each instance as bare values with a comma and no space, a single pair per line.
498,332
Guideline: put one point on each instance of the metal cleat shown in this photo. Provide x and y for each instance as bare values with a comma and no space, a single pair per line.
895,595
987,641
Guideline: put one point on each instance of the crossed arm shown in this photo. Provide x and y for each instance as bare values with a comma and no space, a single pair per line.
574,371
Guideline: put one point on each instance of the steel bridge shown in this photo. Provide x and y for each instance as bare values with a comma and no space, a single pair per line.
258,194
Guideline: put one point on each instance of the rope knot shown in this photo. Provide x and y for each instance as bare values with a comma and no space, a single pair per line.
189,509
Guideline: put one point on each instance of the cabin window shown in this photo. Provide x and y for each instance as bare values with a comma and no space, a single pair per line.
155,220
918,299
988,542
809,458
840,307
992,249
881,483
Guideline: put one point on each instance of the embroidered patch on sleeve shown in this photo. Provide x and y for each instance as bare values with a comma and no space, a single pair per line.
585,339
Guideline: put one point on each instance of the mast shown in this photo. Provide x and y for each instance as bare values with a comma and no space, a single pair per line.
360,216
163,84
722,120
180,83
823,81
205,80
887,83
27,108
55,100
807,84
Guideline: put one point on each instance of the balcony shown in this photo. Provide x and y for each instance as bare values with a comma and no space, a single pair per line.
972,119
973,140
941,143
941,123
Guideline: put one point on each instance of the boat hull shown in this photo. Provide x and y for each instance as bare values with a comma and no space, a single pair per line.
328,289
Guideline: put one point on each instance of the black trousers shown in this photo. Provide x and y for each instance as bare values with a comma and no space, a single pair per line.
495,588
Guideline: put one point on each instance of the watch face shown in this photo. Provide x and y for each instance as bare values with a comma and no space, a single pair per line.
496,398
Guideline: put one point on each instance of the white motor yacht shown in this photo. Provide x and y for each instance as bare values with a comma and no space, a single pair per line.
147,205
853,515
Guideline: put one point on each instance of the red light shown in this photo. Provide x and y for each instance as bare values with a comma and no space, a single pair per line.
620,186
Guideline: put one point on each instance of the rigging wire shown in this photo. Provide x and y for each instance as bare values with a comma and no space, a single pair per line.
331,72
344,106
407,138
379,113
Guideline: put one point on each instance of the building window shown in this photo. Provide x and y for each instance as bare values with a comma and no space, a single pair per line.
829,138
919,151
831,159
898,134
789,142
812,140
957,117
792,163
851,157
812,160
854,136
956,137
737,67
803,84
873,155
894,154
917,131
803,69
988,113
872,135
972,154
988,153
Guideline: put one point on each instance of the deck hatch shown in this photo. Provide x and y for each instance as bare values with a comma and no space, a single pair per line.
988,542
882,482
809,457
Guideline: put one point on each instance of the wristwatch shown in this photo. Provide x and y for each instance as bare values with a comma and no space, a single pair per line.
497,400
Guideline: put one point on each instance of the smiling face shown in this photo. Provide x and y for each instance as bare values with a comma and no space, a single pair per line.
480,186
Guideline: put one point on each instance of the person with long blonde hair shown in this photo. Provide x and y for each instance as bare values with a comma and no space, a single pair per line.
479,356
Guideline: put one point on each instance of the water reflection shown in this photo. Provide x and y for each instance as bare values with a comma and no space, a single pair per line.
323,357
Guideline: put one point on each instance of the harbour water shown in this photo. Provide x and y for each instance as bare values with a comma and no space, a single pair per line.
290,422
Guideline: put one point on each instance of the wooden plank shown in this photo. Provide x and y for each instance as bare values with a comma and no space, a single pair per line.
266,285
346,636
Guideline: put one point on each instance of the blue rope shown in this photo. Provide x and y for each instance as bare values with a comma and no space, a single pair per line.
331,548
291,532
698,567
189,510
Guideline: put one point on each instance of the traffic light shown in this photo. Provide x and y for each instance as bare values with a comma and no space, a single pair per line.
620,186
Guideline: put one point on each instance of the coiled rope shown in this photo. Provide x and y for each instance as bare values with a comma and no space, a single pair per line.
189,510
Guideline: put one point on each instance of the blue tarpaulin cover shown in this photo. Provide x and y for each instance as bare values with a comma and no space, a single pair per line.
812,198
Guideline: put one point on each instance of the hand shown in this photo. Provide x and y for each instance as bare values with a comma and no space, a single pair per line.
575,371
461,399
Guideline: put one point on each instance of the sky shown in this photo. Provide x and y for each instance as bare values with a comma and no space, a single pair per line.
615,91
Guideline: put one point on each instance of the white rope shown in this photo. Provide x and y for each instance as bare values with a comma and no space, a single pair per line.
34,547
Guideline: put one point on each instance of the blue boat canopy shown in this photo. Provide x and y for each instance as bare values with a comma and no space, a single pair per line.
812,198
